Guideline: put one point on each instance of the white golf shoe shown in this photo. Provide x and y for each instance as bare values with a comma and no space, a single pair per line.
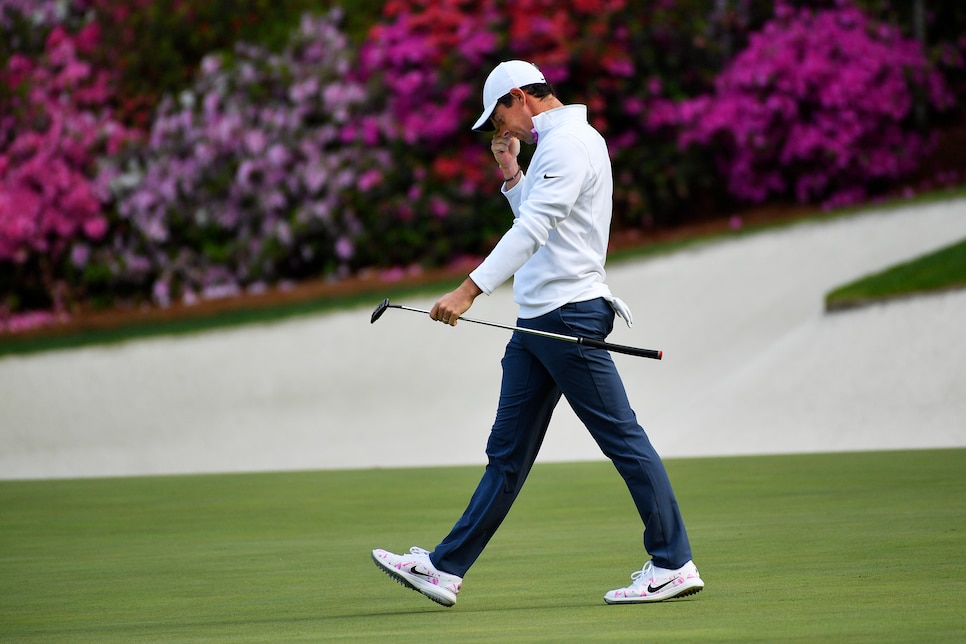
416,571
653,584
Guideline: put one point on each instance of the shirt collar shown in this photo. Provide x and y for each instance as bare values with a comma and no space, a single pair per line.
546,121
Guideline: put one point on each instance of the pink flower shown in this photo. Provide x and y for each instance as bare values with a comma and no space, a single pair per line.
80,255
255,142
369,180
21,322
95,228
344,248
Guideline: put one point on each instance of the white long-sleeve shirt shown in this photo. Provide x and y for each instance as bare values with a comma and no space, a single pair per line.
556,248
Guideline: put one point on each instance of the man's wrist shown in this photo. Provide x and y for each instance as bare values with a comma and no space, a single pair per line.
507,179
470,288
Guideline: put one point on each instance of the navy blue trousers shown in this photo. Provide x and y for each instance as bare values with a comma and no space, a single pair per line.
536,372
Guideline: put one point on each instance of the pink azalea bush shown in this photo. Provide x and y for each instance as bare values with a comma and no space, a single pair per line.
819,106
608,54
426,55
55,126
248,175
324,159
432,57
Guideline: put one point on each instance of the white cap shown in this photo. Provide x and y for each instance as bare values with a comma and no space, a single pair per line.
506,76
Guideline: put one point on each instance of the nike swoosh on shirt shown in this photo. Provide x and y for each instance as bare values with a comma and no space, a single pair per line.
551,176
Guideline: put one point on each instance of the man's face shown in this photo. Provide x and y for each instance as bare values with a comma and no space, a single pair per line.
516,120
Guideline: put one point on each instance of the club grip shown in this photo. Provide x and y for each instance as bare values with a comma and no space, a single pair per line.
620,348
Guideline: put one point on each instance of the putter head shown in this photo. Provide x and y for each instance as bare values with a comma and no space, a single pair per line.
379,311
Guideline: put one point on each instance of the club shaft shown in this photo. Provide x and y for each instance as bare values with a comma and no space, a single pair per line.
590,342
546,334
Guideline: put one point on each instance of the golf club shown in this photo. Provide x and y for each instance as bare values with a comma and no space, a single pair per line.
588,342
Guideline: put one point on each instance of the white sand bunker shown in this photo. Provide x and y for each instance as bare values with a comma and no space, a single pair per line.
752,365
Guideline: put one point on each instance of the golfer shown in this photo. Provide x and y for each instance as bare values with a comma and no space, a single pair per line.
555,252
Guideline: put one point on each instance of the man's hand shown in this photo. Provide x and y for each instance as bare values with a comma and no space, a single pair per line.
505,150
451,306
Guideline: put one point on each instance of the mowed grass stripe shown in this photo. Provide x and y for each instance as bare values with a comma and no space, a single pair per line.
935,272
864,547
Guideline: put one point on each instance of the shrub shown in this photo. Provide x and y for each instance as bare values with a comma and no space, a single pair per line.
818,106
248,176
24,24
55,123
314,162
157,45
609,54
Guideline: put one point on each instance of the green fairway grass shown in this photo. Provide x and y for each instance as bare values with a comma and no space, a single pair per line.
942,270
843,547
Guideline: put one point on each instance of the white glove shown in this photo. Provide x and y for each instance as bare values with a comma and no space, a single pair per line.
621,309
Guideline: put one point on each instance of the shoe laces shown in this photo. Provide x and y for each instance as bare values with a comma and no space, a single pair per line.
416,550
643,576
